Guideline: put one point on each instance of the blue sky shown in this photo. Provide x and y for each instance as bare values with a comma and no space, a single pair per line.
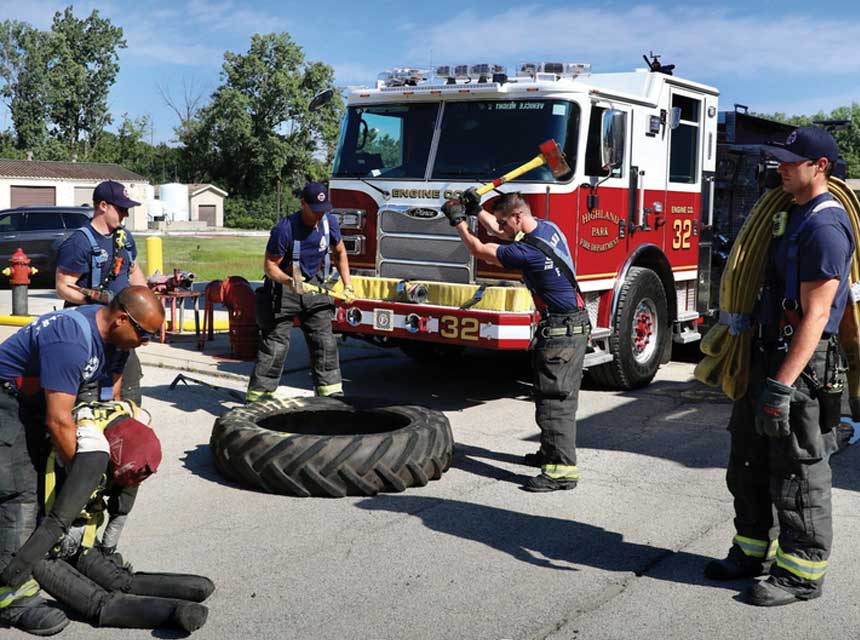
790,56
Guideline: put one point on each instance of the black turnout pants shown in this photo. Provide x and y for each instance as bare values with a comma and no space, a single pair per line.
557,369
314,312
790,476
22,445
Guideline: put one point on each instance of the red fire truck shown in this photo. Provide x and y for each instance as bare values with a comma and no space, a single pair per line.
637,210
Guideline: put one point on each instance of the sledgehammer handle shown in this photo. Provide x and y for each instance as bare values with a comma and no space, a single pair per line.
534,163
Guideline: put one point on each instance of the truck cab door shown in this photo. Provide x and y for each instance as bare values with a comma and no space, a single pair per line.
602,230
682,208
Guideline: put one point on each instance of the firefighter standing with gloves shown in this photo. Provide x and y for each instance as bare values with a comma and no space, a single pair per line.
97,261
298,245
539,249
42,368
782,430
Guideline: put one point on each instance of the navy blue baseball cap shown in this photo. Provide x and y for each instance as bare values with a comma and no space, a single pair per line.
315,194
804,143
113,193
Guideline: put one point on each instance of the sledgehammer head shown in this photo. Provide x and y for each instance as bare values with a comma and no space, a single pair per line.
554,158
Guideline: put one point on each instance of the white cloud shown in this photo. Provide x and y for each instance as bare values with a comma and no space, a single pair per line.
228,16
351,73
699,41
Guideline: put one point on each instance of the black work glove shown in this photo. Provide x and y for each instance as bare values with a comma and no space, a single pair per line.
455,211
472,201
774,407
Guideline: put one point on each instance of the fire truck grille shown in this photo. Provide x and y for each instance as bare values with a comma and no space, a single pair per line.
419,271
403,222
418,243
424,249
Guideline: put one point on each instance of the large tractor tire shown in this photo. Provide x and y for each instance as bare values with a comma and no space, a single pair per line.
640,330
331,448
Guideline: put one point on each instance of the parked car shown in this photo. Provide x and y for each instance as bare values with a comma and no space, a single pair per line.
39,232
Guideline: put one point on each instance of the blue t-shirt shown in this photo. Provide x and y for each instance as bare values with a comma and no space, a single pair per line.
54,349
826,244
541,276
76,255
313,246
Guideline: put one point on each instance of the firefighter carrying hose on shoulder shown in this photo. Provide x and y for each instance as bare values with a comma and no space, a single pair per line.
783,429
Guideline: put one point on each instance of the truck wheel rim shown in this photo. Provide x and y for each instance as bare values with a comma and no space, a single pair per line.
644,333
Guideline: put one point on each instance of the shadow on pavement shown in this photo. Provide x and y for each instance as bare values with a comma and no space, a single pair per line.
199,461
544,541
192,397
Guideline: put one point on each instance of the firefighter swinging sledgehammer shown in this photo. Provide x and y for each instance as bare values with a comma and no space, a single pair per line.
540,251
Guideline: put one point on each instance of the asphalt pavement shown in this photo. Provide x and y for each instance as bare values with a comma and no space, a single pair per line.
470,555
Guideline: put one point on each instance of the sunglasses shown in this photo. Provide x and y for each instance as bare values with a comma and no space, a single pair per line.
142,333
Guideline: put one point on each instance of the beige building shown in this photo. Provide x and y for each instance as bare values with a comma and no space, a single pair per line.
206,204
38,182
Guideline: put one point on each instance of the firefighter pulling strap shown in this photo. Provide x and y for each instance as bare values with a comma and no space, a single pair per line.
727,345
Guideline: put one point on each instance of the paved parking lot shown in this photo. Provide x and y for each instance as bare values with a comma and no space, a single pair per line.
471,555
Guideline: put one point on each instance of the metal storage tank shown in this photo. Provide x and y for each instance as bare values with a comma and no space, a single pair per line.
174,199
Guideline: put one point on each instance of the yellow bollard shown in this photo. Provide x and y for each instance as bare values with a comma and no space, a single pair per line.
154,260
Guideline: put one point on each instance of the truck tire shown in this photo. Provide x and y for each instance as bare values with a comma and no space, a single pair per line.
640,330
330,447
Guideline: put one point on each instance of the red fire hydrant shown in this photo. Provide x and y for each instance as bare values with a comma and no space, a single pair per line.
19,277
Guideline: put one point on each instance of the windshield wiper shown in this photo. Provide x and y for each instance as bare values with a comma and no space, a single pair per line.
363,180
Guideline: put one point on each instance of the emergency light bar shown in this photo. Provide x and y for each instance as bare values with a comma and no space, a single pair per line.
401,77
541,71
481,72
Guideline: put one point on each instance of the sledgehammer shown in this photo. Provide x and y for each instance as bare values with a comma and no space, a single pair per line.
550,155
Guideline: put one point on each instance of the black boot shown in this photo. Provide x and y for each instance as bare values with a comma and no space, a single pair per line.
737,565
145,612
172,585
768,593
544,483
33,615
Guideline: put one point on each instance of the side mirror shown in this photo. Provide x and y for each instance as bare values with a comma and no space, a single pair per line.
612,138
320,99
676,117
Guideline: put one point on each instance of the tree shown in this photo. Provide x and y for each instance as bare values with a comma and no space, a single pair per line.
257,132
23,69
847,137
83,64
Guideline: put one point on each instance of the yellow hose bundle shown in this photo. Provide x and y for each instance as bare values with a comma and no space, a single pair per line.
727,350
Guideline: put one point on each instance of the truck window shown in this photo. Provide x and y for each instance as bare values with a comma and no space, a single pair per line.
684,146
484,140
390,141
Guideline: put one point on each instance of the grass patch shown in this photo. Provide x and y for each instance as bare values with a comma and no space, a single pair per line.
210,258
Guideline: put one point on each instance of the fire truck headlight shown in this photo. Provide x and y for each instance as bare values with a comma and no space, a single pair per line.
350,218
415,323
353,316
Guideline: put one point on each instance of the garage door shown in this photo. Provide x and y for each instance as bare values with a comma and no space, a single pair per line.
31,196
83,196
206,212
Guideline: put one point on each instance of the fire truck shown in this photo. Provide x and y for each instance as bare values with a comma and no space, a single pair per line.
637,208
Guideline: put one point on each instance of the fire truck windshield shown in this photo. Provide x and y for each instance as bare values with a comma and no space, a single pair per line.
386,141
484,140
478,140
